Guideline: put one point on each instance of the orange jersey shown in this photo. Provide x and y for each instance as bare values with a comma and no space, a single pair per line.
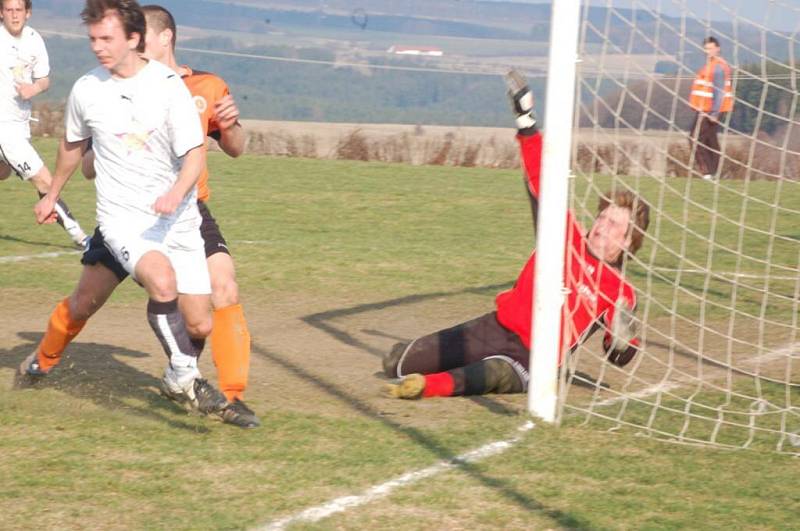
207,89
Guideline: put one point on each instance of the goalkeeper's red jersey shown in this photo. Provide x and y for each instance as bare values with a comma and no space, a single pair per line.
206,89
593,285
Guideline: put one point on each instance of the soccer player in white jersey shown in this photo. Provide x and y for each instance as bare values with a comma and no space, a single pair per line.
24,71
149,153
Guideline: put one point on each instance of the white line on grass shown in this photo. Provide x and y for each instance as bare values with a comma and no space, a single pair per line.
315,514
26,257
662,387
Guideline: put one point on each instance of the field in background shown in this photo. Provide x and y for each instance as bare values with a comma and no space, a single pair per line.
336,261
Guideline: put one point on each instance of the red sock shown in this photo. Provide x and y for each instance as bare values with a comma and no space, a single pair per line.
438,384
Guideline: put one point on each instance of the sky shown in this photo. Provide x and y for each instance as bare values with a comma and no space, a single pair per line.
781,15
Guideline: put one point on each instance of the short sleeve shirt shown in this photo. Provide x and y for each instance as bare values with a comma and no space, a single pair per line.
23,59
206,89
141,127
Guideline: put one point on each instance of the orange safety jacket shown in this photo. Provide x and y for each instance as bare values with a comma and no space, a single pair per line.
702,96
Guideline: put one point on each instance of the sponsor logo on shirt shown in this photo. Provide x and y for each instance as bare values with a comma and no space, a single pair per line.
136,140
584,290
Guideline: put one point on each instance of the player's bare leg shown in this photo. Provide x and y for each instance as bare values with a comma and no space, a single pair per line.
42,181
5,171
230,340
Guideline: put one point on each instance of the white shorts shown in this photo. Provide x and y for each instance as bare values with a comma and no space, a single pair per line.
184,249
19,154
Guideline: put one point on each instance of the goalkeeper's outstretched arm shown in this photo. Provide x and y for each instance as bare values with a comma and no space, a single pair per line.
530,140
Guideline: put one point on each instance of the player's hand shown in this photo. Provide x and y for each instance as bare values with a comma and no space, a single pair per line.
45,210
624,329
521,97
226,113
26,91
167,203
624,326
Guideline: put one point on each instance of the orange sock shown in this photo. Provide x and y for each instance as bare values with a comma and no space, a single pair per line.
230,348
61,330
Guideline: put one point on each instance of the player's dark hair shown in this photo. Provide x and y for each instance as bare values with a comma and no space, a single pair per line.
160,19
711,40
128,11
640,215
28,4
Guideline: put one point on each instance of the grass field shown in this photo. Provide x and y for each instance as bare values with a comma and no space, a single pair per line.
336,261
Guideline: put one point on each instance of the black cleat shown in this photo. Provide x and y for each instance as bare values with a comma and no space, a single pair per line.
238,414
191,392
208,398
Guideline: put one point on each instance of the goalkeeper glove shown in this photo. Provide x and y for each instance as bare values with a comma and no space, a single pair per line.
620,347
521,102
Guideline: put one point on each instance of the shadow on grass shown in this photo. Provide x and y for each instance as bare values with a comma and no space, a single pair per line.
321,321
499,485
14,239
91,371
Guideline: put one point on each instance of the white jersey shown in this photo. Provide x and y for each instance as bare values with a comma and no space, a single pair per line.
23,59
141,127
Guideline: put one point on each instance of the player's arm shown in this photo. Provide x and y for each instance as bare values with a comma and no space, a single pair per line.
87,162
27,91
229,133
528,136
193,163
621,341
67,161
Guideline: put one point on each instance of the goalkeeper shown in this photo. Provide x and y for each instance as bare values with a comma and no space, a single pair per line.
490,354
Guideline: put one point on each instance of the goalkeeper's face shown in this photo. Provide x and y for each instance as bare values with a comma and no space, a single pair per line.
610,234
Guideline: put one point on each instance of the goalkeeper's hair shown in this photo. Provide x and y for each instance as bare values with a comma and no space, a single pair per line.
640,214
711,40
128,11
160,19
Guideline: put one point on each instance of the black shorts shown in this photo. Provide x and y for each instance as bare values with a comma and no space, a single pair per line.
209,230
466,343
98,253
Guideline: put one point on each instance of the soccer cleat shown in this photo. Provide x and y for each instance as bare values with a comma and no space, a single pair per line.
708,177
193,393
29,373
410,387
238,414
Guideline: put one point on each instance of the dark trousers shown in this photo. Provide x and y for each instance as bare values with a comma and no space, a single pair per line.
704,139
482,356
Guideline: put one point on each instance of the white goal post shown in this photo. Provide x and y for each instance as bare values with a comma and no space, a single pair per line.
718,276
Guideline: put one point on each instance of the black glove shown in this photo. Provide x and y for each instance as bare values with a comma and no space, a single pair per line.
521,102
620,357
619,344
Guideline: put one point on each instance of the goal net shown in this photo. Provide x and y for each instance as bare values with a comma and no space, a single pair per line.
717,278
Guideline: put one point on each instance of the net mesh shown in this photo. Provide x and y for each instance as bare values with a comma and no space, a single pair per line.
717,278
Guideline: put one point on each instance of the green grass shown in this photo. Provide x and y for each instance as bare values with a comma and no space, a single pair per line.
98,448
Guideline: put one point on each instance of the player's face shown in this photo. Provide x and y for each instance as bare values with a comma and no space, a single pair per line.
712,50
156,44
609,236
15,16
109,43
